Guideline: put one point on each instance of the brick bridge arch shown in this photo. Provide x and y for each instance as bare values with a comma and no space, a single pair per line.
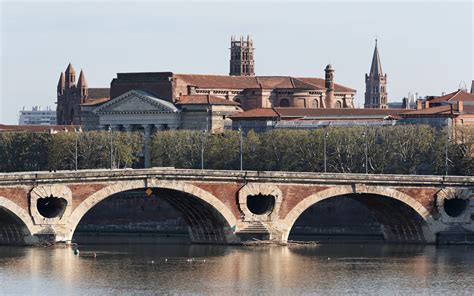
419,227
209,220
19,232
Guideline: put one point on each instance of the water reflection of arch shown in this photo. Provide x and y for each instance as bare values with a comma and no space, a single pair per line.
402,217
208,219
16,226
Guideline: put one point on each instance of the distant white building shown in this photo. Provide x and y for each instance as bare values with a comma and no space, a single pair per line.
37,116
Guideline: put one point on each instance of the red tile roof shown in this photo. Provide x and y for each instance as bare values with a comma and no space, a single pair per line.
95,102
439,110
204,100
317,113
455,96
332,112
265,82
256,113
319,82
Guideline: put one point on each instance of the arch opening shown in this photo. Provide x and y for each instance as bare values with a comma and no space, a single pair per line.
13,231
360,217
164,216
51,207
260,204
455,207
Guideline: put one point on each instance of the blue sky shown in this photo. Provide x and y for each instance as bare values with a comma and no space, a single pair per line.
425,47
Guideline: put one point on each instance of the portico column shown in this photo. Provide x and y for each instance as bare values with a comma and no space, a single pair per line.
146,151
128,127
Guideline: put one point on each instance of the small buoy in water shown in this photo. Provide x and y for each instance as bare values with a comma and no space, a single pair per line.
166,259
152,262
76,251
329,258
94,255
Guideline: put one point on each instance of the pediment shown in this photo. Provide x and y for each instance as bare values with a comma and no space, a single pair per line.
136,101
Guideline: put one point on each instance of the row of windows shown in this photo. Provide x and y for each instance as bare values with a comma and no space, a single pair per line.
376,89
242,56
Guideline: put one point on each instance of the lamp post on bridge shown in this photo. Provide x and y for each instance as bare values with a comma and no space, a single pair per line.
366,148
203,138
446,148
77,131
241,148
326,136
111,146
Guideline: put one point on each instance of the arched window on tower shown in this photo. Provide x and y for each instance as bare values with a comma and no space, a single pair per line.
315,103
284,103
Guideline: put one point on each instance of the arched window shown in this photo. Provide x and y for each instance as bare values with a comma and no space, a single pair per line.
284,103
338,105
315,104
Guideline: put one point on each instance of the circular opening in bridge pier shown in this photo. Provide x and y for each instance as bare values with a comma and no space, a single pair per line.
260,204
51,207
455,207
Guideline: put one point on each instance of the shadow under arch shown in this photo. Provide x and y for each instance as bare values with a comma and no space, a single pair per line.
403,219
16,225
208,219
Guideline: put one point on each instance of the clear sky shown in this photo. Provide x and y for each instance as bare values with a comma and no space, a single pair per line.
425,47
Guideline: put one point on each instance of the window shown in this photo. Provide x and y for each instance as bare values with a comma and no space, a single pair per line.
315,104
338,105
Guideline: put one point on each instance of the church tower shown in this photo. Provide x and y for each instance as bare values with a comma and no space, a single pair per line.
241,57
70,96
376,84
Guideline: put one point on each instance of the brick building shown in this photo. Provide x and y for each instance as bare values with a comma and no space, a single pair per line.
79,104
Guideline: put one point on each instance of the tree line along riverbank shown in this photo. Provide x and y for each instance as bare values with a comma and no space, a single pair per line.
404,149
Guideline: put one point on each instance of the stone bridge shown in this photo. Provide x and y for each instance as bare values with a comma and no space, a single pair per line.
232,206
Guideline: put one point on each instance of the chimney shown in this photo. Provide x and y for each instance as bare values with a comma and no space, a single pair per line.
418,104
427,104
460,106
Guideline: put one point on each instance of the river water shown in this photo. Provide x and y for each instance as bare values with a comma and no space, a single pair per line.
147,269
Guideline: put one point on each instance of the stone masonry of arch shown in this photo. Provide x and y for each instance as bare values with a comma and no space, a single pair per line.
180,186
225,191
289,220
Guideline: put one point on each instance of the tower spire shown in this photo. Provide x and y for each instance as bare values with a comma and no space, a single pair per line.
82,86
82,82
70,75
61,84
376,67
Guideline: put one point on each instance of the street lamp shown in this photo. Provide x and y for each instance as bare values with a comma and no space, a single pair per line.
241,147
446,148
364,134
202,149
326,136
77,131
111,146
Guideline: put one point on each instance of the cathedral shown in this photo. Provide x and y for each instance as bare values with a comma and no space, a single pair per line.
240,90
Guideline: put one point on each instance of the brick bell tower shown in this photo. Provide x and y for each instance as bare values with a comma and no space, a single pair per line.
241,57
